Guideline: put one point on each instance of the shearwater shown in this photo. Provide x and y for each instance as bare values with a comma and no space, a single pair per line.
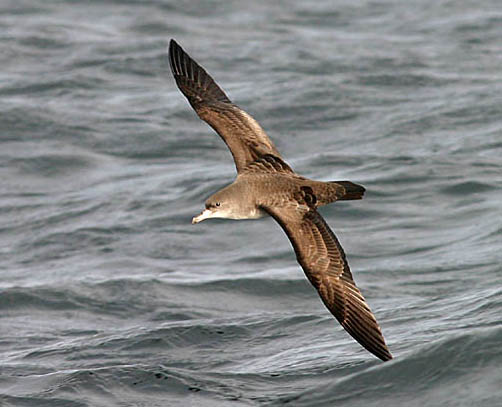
266,185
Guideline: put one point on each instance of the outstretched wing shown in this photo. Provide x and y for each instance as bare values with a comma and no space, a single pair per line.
323,260
243,135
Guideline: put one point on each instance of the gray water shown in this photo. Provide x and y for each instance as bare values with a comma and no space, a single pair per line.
110,297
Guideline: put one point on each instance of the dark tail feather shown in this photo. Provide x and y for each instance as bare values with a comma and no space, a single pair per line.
352,191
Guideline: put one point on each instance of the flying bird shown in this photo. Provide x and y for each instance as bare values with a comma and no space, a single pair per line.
266,185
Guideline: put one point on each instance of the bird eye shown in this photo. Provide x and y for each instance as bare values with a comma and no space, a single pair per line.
217,204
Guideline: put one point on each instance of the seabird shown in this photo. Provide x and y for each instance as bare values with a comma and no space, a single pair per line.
266,185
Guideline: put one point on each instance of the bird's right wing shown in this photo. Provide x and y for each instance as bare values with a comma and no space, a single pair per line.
243,135
323,260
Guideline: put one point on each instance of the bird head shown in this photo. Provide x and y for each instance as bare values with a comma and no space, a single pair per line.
217,206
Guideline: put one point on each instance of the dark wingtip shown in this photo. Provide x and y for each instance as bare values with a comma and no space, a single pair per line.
379,348
373,342
175,54
173,48
193,80
385,356
173,44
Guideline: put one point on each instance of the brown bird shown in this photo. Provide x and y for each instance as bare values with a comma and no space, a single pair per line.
266,185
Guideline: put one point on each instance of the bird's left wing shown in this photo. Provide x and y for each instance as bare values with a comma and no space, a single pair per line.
323,260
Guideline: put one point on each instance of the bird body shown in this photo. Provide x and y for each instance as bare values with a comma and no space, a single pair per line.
267,185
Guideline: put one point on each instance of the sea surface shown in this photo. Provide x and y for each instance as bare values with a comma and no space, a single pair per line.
110,297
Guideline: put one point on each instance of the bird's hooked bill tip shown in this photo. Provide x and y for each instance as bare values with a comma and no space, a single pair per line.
206,213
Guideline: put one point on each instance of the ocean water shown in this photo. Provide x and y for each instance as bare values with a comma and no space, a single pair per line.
110,297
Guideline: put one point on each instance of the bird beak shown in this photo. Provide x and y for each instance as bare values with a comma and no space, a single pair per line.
206,213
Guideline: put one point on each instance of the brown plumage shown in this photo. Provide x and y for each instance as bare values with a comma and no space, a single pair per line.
243,135
266,184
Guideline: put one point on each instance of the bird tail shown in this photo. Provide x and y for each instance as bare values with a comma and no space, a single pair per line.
328,192
352,191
